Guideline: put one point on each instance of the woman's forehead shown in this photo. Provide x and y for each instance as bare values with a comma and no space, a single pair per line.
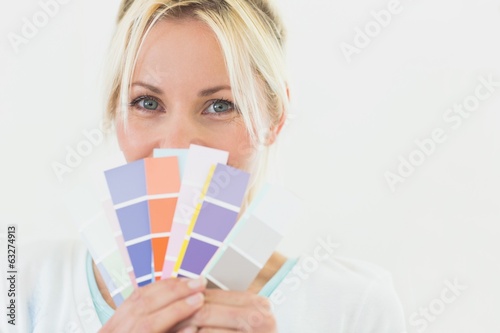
181,52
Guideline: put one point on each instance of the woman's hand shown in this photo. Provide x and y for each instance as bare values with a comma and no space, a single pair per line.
158,306
231,311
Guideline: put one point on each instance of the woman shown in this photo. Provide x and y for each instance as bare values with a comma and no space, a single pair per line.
211,72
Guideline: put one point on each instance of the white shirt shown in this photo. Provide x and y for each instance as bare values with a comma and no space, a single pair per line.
335,294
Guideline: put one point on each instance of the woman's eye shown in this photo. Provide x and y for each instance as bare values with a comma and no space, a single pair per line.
149,103
146,103
220,106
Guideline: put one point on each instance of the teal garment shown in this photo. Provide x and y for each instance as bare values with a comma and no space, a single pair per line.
275,281
104,311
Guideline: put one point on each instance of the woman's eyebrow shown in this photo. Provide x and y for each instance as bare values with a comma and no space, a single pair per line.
148,86
211,91
202,93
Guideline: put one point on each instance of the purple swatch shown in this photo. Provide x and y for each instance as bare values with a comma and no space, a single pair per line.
134,220
141,257
197,256
214,221
127,182
228,184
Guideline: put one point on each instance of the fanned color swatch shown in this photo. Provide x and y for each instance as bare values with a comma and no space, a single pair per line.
213,219
198,163
144,195
253,241
97,234
179,213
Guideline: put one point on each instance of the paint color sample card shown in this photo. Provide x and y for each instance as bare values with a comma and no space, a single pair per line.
213,220
165,210
254,239
147,224
127,186
104,196
120,242
168,152
130,186
163,184
90,218
199,161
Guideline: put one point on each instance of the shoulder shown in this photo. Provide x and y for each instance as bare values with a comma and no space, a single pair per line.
351,295
42,260
52,289
49,252
352,274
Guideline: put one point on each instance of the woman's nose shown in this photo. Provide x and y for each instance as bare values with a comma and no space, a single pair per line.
180,132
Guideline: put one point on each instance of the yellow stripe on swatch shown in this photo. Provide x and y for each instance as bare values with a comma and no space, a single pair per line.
192,223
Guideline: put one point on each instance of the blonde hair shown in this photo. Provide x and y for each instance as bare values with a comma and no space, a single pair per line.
252,39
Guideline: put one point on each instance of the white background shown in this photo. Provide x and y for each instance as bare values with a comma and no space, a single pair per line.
351,122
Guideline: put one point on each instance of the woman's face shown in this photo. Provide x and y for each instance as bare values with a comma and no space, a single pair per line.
181,94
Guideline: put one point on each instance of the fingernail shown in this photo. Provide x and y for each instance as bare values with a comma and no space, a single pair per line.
195,299
196,283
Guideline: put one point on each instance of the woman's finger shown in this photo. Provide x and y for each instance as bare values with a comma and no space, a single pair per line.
236,298
155,296
229,317
169,316
217,315
145,309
